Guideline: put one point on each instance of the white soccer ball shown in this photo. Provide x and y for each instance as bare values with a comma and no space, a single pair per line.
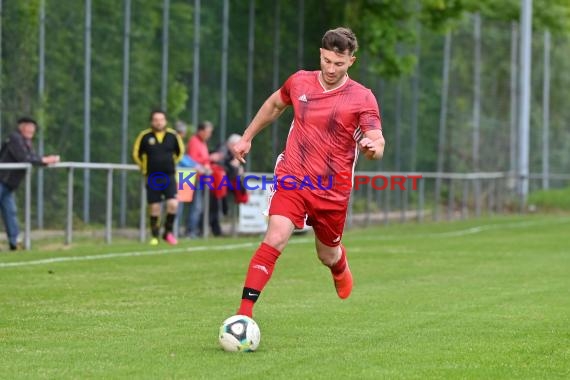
239,333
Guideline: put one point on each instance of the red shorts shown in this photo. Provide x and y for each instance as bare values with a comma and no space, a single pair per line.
327,217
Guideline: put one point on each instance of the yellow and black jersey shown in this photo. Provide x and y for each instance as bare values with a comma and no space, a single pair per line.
158,151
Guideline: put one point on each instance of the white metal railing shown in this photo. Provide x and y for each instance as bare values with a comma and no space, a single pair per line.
110,168
71,166
494,191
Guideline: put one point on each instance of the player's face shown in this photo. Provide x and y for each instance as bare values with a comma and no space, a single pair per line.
334,66
158,121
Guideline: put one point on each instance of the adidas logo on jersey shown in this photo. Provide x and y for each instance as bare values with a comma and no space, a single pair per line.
303,98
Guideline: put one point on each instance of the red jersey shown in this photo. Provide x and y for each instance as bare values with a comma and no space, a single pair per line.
327,125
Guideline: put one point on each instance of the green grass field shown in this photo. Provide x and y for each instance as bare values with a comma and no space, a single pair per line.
486,298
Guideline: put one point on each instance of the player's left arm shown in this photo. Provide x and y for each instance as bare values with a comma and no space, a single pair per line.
372,144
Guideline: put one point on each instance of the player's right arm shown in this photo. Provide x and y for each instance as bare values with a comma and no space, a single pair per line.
271,109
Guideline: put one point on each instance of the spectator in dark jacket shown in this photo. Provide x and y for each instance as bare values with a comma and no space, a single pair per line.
17,148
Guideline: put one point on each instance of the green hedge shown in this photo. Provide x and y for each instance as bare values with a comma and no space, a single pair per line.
558,199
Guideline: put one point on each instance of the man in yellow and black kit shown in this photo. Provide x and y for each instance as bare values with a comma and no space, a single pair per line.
156,151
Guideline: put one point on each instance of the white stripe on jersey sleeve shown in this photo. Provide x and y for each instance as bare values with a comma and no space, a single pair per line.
357,135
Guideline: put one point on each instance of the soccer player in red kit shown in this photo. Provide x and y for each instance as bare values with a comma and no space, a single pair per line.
334,118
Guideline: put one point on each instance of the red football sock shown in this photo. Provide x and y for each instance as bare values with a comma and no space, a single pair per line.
259,272
340,266
342,276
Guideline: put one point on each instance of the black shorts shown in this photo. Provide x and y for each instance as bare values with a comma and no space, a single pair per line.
160,188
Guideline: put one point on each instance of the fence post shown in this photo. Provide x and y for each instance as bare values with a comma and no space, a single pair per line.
500,196
421,201
386,206
464,200
69,224
142,220
235,219
109,211
27,211
492,191
403,204
450,200
477,197
206,213
368,203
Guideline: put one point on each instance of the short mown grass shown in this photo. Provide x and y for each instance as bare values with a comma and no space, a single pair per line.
484,299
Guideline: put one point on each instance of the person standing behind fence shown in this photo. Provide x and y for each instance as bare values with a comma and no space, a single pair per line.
156,151
198,151
185,163
17,148
224,157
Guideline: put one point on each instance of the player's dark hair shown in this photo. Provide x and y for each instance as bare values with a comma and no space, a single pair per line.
204,125
27,120
154,112
340,40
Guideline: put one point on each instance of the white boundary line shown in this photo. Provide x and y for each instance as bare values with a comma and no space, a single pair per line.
471,230
487,227
463,232
136,253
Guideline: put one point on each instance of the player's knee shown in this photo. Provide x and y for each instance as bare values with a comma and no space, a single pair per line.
276,239
328,256
327,261
172,206
155,209
278,232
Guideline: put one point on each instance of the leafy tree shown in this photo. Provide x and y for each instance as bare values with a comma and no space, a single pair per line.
387,30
